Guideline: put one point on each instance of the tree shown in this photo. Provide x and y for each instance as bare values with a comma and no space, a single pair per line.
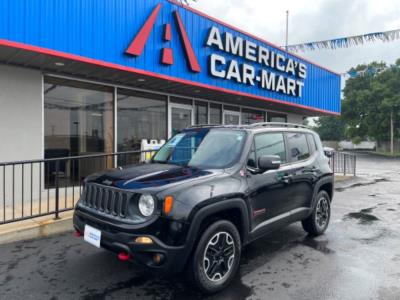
371,105
330,128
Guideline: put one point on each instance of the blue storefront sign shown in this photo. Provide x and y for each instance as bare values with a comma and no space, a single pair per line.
163,39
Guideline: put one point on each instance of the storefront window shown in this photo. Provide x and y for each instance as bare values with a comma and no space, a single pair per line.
140,116
275,117
184,101
215,113
78,120
252,116
201,113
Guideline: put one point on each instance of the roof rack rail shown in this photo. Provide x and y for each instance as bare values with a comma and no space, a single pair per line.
255,125
277,124
204,126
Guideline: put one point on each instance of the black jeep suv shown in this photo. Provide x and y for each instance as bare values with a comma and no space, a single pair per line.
206,193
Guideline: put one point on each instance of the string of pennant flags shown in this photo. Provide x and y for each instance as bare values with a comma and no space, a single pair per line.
368,71
346,42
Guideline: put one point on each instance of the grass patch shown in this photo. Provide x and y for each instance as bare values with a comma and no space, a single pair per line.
388,154
341,178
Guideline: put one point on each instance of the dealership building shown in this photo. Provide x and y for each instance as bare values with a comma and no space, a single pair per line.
87,77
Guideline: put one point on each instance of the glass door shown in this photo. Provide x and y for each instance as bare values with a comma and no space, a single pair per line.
180,117
231,117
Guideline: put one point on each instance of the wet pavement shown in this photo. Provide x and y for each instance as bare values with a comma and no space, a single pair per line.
357,258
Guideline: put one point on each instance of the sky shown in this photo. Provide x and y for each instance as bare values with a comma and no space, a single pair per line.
314,20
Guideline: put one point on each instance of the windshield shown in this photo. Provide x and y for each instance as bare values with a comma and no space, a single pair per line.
205,148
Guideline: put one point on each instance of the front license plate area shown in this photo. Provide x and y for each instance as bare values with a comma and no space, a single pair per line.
92,236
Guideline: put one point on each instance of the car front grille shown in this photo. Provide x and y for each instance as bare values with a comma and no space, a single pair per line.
107,200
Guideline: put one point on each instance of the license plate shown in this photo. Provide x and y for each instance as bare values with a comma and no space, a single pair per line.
92,236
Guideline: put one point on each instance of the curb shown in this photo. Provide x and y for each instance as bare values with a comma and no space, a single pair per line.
357,181
35,228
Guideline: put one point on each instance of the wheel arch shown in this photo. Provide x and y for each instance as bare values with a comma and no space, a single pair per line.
325,184
233,210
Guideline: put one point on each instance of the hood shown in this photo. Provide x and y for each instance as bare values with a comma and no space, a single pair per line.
148,176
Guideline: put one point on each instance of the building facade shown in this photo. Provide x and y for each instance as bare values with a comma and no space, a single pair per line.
85,77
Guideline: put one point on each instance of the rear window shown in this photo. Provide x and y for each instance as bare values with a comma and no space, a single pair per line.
298,146
312,144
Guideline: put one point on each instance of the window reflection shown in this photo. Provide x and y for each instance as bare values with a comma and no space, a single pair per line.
201,113
215,114
252,116
78,120
140,116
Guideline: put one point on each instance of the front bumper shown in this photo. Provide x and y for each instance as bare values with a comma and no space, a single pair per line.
123,241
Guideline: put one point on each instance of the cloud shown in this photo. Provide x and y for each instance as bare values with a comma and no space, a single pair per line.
312,20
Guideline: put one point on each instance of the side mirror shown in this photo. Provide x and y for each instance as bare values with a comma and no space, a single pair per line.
269,162
328,152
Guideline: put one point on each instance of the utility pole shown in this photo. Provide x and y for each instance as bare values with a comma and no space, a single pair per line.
391,133
287,31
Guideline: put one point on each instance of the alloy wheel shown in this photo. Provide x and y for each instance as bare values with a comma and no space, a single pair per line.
322,212
219,256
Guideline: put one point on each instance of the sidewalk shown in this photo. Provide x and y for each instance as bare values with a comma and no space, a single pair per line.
35,228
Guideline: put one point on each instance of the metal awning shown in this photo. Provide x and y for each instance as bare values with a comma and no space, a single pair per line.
54,62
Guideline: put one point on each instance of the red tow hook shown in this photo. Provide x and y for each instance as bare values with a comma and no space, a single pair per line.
77,233
124,256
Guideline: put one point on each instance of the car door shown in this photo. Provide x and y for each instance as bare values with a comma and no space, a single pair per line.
301,172
268,191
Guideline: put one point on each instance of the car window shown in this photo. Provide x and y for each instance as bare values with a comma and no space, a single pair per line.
203,148
298,146
251,161
311,143
270,144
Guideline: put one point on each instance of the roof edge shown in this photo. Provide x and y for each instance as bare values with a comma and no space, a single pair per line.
68,56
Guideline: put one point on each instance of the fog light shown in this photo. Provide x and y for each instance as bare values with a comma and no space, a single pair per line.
143,240
158,258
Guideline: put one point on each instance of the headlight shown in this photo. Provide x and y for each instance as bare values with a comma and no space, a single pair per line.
146,205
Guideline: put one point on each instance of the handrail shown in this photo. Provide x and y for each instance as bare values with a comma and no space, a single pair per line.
72,157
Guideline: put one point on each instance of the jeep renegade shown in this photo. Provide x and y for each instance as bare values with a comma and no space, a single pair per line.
206,193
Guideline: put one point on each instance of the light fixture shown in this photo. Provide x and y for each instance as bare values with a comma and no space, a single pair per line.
143,240
59,64
141,80
169,200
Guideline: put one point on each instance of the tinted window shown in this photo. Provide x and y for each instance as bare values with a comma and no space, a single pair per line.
275,117
215,114
140,116
251,161
201,113
78,118
312,144
298,146
270,144
252,116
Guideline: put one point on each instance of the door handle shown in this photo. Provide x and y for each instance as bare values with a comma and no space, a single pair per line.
287,178
311,170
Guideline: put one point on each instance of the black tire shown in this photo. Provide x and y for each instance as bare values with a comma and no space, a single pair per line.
318,221
218,235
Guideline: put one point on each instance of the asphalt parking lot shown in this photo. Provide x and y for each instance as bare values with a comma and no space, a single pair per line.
357,258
